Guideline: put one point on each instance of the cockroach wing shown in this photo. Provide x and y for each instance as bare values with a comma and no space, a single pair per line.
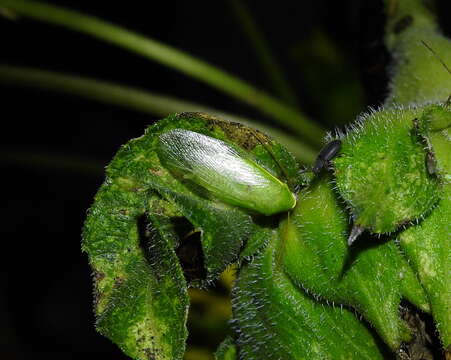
226,172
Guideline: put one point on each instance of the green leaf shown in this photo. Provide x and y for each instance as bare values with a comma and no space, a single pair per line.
274,319
427,245
381,172
145,221
141,305
371,277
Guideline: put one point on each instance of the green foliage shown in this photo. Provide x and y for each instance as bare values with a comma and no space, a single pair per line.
131,234
371,278
274,319
196,193
291,264
427,245
384,146
391,178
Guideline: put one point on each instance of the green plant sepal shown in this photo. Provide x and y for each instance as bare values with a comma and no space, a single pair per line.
381,171
427,247
274,319
427,244
372,276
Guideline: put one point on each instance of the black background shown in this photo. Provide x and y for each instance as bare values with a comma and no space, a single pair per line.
45,301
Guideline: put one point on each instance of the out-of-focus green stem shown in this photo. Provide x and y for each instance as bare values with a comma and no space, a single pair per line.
419,52
267,61
173,58
135,99
45,161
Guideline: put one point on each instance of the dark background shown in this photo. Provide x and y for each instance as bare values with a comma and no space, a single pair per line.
53,147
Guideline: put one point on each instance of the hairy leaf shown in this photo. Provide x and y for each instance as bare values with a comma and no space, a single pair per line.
150,231
274,319
428,244
381,172
371,277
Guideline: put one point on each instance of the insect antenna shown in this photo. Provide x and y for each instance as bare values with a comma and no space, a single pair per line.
269,150
448,101
436,56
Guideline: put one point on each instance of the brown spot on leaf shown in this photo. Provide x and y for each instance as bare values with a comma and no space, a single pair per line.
431,163
245,137
156,172
118,281
98,275
240,134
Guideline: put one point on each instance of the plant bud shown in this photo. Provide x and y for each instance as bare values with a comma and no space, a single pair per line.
382,171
